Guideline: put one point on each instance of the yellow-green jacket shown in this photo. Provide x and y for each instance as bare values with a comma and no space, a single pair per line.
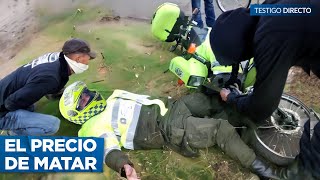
117,124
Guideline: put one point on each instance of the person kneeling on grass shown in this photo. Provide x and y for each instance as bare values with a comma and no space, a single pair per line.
44,76
136,121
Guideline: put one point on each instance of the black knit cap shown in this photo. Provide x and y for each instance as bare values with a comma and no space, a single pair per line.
76,45
231,38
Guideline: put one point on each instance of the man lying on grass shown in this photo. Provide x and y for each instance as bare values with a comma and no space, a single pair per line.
136,121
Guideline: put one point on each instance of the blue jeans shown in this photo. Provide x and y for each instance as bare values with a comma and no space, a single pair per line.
209,10
23,122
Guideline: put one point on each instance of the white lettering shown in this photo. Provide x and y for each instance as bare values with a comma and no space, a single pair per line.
19,149
41,163
68,145
12,163
268,10
77,164
66,162
23,163
85,145
59,145
35,143
62,163
10,145
79,147
296,10
13,145
308,10
91,165
7,163
256,9
47,144
55,164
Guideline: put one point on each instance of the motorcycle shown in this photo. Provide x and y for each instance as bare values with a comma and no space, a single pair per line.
277,140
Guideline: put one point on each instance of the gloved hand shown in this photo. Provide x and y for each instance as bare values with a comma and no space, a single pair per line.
229,94
234,88
232,81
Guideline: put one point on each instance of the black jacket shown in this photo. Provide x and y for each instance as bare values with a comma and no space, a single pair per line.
279,42
29,83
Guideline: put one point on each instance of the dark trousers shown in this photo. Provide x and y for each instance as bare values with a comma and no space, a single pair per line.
209,10
197,119
309,157
202,122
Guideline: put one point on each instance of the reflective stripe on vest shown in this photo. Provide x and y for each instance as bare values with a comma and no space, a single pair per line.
132,129
114,118
142,99
124,119
124,114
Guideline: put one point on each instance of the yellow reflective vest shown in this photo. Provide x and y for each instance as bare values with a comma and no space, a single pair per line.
117,123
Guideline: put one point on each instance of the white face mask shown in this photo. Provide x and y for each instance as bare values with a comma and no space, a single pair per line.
75,66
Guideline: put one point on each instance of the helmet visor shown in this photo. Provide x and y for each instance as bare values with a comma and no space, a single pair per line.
85,99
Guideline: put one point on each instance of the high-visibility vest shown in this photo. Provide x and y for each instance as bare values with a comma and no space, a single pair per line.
118,122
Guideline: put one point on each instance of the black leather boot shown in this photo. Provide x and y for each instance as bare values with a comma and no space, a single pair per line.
292,172
295,172
187,150
266,171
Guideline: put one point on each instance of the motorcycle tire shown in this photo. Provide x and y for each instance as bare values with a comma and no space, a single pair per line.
226,5
275,141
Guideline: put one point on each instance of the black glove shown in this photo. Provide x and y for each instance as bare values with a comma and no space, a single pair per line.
232,81
233,77
234,88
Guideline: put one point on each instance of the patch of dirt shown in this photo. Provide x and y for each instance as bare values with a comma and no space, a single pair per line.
171,89
140,47
104,69
304,87
17,24
108,18
133,43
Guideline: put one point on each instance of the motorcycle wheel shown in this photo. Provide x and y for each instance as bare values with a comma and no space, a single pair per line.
226,5
278,139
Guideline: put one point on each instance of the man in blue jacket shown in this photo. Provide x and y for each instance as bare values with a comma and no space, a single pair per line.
47,74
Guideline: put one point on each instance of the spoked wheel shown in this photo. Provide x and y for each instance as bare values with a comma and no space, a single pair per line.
226,5
278,139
